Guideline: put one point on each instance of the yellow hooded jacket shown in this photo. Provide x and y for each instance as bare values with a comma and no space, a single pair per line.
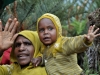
14,68
61,57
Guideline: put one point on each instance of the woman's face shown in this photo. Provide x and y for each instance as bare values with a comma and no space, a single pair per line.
47,31
24,51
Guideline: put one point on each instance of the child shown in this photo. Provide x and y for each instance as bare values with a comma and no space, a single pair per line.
60,53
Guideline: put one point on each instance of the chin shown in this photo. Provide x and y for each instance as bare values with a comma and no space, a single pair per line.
46,44
24,63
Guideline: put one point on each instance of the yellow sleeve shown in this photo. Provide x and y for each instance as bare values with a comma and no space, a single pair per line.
75,44
4,70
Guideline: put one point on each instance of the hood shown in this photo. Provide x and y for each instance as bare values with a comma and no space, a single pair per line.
55,20
33,37
57,45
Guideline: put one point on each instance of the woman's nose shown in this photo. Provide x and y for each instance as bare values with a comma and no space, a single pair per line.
22,47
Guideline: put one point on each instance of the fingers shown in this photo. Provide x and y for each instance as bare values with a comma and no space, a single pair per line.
13,31
35,62
91,29
7,24
11,25
14,37
97,35
96,31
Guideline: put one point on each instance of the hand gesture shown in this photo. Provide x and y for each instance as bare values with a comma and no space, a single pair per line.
7,36
91,34
36,61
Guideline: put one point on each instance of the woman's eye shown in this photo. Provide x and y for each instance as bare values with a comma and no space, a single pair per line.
27,43
17,44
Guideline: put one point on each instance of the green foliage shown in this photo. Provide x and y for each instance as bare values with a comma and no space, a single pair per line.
79,26
96,4
28,11
76,28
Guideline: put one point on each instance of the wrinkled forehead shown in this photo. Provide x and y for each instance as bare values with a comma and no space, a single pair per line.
21,38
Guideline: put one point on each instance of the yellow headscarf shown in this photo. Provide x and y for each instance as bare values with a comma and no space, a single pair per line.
57,45
33,37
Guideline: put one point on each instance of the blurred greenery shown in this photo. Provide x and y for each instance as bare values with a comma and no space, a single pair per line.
72,13
28,11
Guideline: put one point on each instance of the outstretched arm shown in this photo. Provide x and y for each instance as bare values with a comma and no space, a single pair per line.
7,36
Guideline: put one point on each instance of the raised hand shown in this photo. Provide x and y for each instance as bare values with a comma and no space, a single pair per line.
91,34
8,36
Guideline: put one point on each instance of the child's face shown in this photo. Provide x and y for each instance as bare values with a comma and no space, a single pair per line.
47,31
24,51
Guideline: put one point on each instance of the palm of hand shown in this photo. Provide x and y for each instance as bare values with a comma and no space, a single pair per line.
92,33
5,39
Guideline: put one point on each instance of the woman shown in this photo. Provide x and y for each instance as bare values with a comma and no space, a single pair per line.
25,47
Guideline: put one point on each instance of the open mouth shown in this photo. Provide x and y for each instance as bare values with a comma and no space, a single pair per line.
46,39
22,56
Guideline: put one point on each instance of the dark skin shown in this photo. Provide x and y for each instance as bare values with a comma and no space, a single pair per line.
47,31
48,35
7,36
24,51
36,61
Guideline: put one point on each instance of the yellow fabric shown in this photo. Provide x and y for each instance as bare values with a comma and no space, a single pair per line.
33,37
57,24
55,20
60,58
3,70
15,69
